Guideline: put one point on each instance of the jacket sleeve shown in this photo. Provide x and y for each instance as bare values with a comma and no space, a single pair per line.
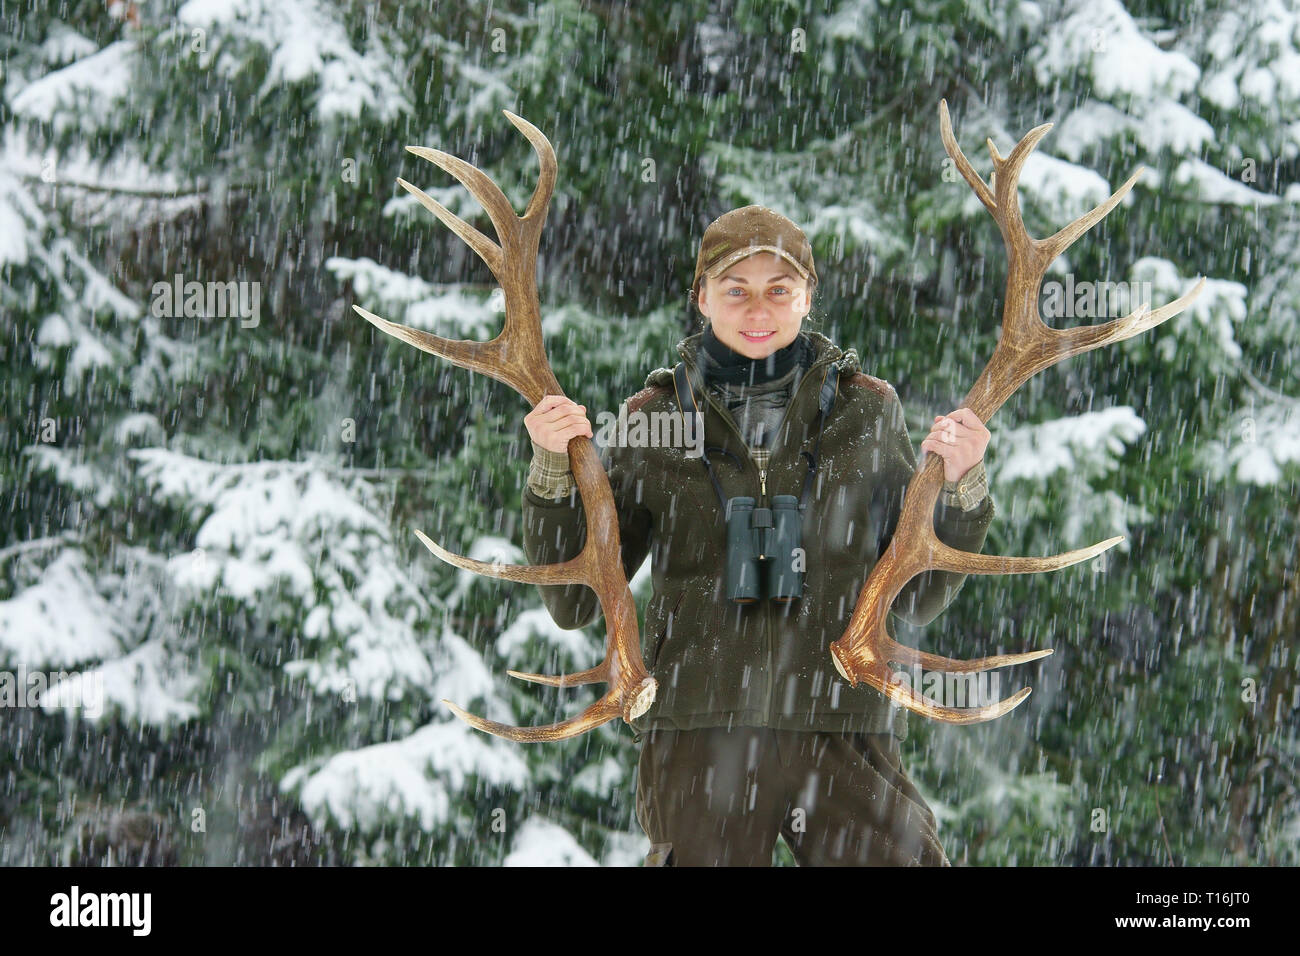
555,529
926,595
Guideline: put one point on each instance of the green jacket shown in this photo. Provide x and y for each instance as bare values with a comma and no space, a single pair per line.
761,664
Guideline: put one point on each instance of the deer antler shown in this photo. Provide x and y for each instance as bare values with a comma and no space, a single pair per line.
1027,345
517,358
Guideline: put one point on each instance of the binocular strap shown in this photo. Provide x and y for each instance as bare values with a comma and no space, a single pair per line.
830,387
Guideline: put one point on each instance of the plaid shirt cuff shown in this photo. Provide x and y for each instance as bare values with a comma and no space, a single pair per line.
549,476
968,491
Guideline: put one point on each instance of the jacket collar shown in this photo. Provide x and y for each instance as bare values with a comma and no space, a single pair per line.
722,432
823,351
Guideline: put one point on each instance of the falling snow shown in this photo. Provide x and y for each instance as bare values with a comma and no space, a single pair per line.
211,523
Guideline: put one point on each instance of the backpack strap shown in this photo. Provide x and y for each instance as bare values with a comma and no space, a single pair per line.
683,386
826,401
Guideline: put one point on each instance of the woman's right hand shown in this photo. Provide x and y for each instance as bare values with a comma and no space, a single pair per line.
556,419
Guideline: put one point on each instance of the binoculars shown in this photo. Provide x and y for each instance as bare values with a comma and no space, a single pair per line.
761,550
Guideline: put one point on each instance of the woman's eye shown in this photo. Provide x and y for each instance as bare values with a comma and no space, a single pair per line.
780,288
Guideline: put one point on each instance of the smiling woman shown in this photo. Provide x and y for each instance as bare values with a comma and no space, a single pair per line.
759,545
753,280
756,306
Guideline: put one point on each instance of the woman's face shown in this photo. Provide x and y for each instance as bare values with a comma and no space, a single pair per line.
757,305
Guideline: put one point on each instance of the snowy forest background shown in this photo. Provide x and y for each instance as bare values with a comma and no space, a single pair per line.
212,515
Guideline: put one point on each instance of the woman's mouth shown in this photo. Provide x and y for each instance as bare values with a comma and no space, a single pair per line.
758,336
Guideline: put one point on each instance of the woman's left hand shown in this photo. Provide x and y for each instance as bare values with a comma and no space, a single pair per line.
959,438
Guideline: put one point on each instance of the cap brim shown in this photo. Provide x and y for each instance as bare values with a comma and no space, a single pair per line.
732,258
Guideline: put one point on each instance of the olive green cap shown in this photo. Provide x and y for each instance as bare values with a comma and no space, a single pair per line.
745,231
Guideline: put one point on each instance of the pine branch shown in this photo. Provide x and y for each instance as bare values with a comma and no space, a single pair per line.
36,544
130,191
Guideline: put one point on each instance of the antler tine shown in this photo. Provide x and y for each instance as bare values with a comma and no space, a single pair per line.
1044,347
637,702
907,697
1085,338
937,662
601,712
1006,186
573,571
878,675
631,689
487,250
963,164
1061,240
592,675
628,697
525,230
484,357
517,357
536,210
966,562
480,186
1027,346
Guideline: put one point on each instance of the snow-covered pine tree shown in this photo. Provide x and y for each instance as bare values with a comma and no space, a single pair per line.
215,514
216,539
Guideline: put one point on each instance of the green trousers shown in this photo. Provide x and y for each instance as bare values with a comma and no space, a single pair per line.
720,797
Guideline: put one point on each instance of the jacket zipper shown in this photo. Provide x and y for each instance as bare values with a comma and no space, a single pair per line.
762,486
726,417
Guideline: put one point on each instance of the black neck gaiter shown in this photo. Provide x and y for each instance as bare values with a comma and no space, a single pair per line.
719,363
